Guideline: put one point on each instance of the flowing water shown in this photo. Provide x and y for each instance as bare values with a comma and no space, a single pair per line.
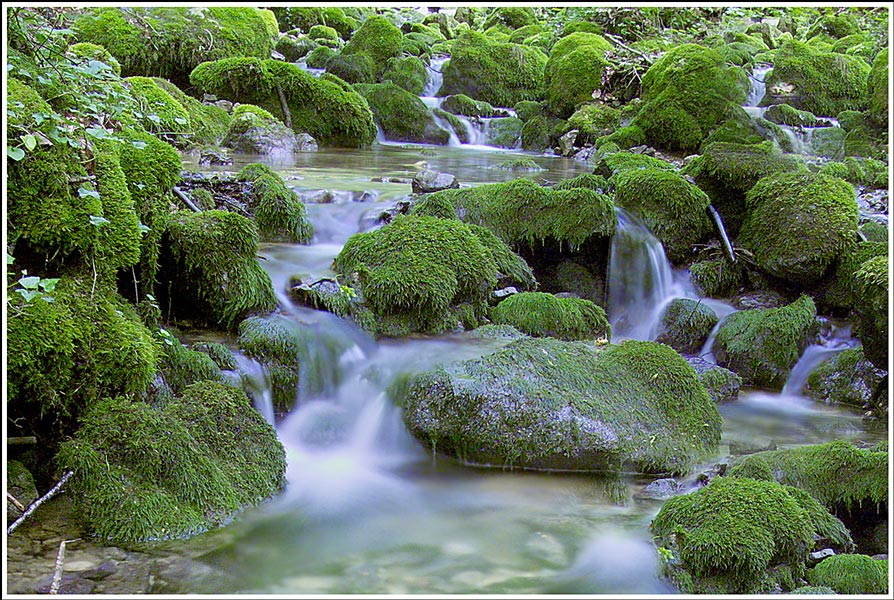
369,510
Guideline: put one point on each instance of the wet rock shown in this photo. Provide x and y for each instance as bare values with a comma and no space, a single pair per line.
722,384
105,569
309,293
19,484
759,299
504,292
304,142
132,577
317,197
685,325
751,446
211,155
717,469
816,557
428,181
661,489
70,583
566,143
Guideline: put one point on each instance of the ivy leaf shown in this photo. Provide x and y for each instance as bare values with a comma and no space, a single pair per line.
39,118
29,283
84,192
9,258
180,120
99,133
28,295
144,228
98,221
138,145
49,285
16,154
29,141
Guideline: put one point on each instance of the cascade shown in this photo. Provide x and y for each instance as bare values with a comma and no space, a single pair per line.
838,340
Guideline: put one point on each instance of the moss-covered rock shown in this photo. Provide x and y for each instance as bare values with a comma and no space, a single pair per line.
161,113
170,42
408,72
499,73
278,211
220,354
763,344
735,536
722,384
716,278
783,114
401,115
181,367
851,574
512,17
358,67
798,224
540,315
319,57
330,111
871,309
504,132
211,272
848,378
207,123
535,134
277,344
460,104
613,163
673,209
144,473
253,130
85,51
574,71
877,88
378,38
685,325
522,212
20,485
299,17
824,83
837,474
419,269
295,47
841,293
671,117
541,403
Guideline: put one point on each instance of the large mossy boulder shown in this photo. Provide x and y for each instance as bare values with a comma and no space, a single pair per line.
851,574
253,130
848,378
159,112
541,403
841,294
210,270
763,344
877,88
673,209
741,536
688,92
824,83
278,212
499,73
402,116
574,71
871,309
523,212
326,108
685,325
798,224
540,314
408,72
716,277
378,38
170,42
145,473
208,123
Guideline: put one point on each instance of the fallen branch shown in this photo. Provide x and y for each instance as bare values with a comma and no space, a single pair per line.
185,199
642,55
60,564
15,502
27,440
285,106
55,489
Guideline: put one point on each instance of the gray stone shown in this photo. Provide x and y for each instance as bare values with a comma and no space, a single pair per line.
819,556
70,583
20,484
721,383
106,568
661,489
759,299
505,292
566,143
304,142
427,181
751,446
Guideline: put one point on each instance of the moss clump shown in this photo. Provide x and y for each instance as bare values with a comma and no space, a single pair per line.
254,130
763,344
505,133
85,51
734,536
522,212
593,121
219,353
867,172
542,403
798,224
460,104
616,162
544,315
685,325
513,17
169,42
783,114
441,264
825,83
839,475
401,115
871,309
143,473
669,118
518,164
851,574
378,38
877,88
208,123
525,110
358,67
408,72
625,137
213,273
722,384
588,181
161,113
512,270
673,209
574,71
848,378
279,213
279,346
181,367
299,17
716,278
496,332
321,32
319,57
842,291
330,111
499,73
294,48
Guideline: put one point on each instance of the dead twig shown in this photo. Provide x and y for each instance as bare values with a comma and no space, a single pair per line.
53,491
15,502
60,565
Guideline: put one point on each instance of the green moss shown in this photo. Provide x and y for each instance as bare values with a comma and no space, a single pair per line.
716,278
535,134
214,267
441,264
521,211
617,162
277,345
877,89
208,123
501,74
328,110
722,384
685,325
336,18
763,344
673,209
322,32
161,113
874,231
279,213
543,403
294,48
783,114
378,37
358,67
839,475
851,574
144,473
587,180
841,292
734,536
526,109
181,367
625,137
169,42
518,164
871,309
496,332
504,132
574,71
408,72
848,378
219,353
460,104
511,268
669,118
539,314
118,240
825,83
319,57
86,51
299,17
798,224
513,17
402,115
594,121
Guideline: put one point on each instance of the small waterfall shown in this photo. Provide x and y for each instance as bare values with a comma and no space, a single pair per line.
435,76
838,340
254,379
758,85
640,280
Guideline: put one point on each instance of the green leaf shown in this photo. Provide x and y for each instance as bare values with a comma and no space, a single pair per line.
49,285
29,141
144,228
97,132
27,295
84,192
138,145
180,120
98,221
29,283
16,154
39,118
154,118
9,258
